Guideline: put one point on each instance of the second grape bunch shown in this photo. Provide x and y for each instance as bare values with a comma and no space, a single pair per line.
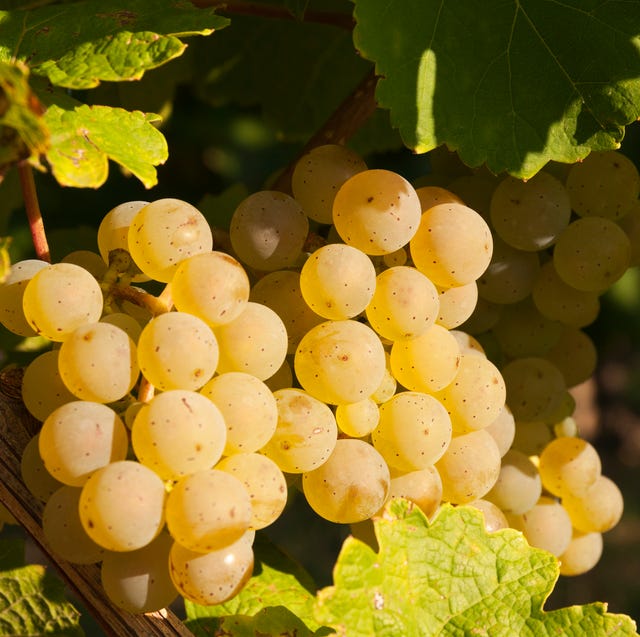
174,426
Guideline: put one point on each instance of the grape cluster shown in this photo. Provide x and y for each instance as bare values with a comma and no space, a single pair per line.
324,348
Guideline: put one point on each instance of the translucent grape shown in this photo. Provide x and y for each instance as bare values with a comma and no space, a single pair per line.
255,342
60,298
433,195
306,432
387,386
428,362
122,506
351,485
162,346
532,437
208,510
395,258
43,389
452,246
90,261
281,292
423,487
337,281
604,184
469,467
139,581
79,438
475,191
494,518
268,230
318,175
125,322
213,577
177,433
503,430
376,211
248,407
598,508
90,350
456,304
414,431
265,483
405,304
592,254
35,476
575,355
11,295
358,419
530,215
63,529
582,554
340,361
212,286
484,317
468,344
165,232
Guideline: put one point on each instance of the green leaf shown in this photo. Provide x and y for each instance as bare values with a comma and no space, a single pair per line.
513,84
84,138
450,577
32,604
78,45
278,600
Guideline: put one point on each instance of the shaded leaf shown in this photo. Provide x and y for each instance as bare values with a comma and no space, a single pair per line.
512,84
450,577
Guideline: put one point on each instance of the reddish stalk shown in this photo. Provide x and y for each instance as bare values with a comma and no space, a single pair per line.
32,208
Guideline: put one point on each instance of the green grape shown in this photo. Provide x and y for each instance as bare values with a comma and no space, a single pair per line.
318,175
351,486
427,363
281,292
575,355
591,254
530,215
63,529
405,304
532,437
122,506
337,281
43,389
376,211
569,465
255,342
265,483
422,487
604,184
475,191
125,322
469,467
162,346
79,438
476,395
178,432
340,362
306,432
212,286
90,261
503,429
139,581
456,304
208,510
630,223
387,386
468,344
518,486
561,302
248,407
535,388
598,508
452,246
582,554
523,331
213,577
395,258
485,316
60,298
90,350
268,230
430,196
510,276
414,431
11,295
165,232
546,526
494,518
358,419
34,474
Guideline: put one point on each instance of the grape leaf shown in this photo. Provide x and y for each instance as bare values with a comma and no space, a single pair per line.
84,138
32,602
513,84
278,600
78,45
450,577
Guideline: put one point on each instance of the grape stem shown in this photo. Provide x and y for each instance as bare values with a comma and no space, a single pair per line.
154,304
32,209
